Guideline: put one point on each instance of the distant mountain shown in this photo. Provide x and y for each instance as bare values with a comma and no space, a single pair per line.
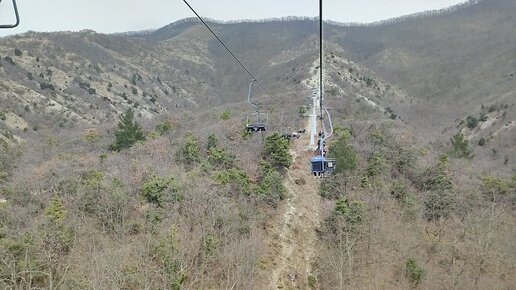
431,70
452,62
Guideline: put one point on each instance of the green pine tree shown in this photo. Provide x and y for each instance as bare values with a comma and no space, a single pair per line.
55,210
276,151
211,143
460,146
128,132
189,153
345,154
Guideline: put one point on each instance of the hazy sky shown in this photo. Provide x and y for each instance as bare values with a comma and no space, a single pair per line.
126,15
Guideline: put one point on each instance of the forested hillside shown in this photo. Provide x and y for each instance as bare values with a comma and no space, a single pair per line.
124,163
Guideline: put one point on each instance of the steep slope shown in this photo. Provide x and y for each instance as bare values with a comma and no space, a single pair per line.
292,237
453,62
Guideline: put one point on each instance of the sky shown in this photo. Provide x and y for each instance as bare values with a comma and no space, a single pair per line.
108,16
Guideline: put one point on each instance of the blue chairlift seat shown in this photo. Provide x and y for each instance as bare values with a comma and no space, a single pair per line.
320,164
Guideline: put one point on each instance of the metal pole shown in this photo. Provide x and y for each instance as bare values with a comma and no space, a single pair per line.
321,57
313,120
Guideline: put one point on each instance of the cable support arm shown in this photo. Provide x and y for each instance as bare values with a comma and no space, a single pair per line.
330,122
17,17
249,95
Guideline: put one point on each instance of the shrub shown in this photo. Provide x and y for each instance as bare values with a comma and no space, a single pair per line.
345,154
9,60
276,151
189,153
353,214
312,281
413,272
377,164
226,115
406,159
86,86
438,204
493,186
91,136
270,188
92,178
409,206
364,182
55,210
3,116
47,86
399,190
483,117
472,122
157,189
128,132
167,254
218,157
210,244
440,181
18,52
482,141
211,142
163,127
460,147
302,111
237,178
377,137
437,177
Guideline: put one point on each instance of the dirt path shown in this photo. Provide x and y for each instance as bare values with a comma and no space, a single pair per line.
292,233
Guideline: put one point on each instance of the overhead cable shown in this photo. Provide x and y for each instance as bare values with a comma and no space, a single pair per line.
232,54
321,89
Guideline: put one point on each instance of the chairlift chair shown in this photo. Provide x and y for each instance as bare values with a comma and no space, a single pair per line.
256,122
321,165
15,14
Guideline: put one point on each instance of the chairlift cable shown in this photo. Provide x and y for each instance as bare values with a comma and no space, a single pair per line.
232,54
321,90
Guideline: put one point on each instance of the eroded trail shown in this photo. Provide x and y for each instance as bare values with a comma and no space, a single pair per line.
292,240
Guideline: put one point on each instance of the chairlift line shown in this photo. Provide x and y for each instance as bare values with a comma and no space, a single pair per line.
321,90
256,122
230,52
320,164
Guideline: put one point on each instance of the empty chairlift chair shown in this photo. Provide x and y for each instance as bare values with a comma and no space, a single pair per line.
256,122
